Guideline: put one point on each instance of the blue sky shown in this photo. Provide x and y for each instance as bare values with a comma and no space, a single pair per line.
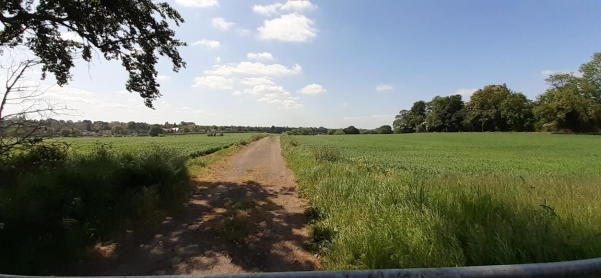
338,63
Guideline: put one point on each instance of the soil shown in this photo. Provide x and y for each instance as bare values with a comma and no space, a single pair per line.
245,216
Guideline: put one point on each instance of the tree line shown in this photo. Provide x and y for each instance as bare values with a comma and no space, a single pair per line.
572,103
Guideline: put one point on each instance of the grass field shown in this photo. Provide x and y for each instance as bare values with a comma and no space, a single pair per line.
187,145
432,200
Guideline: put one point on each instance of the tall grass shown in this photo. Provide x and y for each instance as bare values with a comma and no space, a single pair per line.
54,210
376,217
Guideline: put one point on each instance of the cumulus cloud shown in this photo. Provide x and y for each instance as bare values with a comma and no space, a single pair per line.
288,28
198,3
254,69
381,88
290,6
254,81
312,89
163,77
237,93
221,24
213,82
218,60
465,93
264,56
274,94
207,43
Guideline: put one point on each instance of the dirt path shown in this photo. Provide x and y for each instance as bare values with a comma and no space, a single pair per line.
244,217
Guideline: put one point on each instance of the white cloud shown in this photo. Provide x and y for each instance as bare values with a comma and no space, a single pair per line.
218,60
290,6
267,10
465,93
198,3
313,89
299,6
221,24
209,44
243,32
237,93
366,118
547,73
383,87
191,110
255,69
163,77
254,81
344,104
264,56
288,28
274,94
213,82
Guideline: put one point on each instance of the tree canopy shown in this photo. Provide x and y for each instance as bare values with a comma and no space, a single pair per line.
132,31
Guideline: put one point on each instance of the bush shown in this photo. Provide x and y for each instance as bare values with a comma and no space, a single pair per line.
327,154
155,130
220,133
339,132
54,210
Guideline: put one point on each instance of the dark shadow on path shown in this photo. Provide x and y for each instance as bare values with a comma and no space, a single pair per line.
222,224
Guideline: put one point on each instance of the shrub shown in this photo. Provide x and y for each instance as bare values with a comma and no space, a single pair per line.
339,132
54,210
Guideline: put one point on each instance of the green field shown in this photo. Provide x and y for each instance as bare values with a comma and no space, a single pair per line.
503,153
432,200
187,145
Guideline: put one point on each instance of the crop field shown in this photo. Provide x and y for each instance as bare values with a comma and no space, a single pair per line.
503,153
187,145
434,200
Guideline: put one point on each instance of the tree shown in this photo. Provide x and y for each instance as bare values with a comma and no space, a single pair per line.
131,126
403,122
65,133
155,130
484,108
385,129
516,109
339,132
185,130
21,104
447,114
351,130
87,124
118,129
132,31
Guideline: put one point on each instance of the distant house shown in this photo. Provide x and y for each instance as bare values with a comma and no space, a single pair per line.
171,130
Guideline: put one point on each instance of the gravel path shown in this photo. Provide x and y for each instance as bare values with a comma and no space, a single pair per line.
245,216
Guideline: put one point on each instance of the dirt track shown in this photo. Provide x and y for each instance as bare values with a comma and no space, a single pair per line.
244,217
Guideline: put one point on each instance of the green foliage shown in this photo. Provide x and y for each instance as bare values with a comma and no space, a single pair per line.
117,129
339,132
155,131
105,26
351,130
188,146
385,129
65,133
450,199
571,104
53,211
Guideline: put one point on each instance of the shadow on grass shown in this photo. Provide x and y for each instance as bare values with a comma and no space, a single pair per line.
223,228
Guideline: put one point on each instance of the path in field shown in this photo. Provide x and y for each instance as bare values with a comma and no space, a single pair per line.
244,217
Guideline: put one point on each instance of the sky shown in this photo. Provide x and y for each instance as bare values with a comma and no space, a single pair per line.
336,63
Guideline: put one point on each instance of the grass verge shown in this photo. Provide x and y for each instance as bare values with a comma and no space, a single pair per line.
55,204
373,218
